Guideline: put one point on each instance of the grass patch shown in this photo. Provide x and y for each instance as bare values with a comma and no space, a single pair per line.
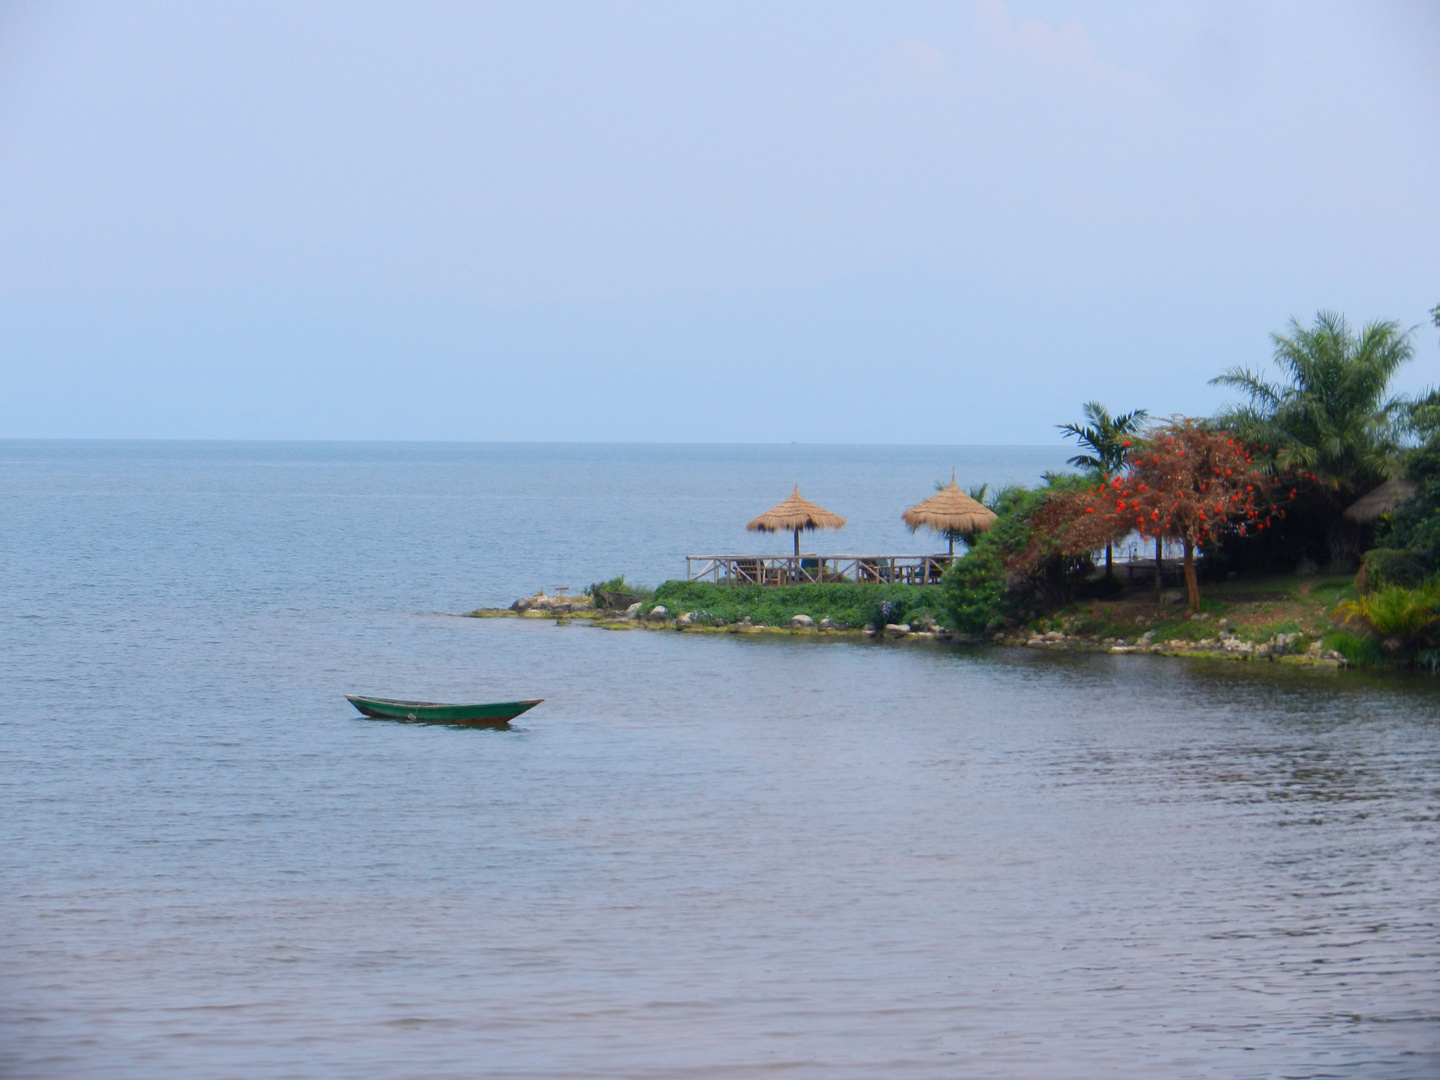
1258,632
1359,650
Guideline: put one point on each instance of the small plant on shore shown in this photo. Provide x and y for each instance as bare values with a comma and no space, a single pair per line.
888,611
617,592
1404,621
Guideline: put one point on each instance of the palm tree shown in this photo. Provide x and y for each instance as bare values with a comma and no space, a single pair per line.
1109,438
1331,417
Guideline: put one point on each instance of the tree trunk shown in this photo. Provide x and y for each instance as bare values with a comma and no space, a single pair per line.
1342,541
1159,575
1109,562
1192,584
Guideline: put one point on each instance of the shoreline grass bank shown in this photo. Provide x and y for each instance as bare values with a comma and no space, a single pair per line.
1287,618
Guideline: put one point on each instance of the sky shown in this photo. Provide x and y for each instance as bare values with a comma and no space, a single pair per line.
745,222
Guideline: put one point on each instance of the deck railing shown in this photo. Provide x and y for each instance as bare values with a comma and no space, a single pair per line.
816,569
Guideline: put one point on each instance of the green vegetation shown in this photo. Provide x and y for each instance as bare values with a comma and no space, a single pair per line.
1332,420
1109,439
847,604
617,592
1404,621
1262,486
1359,650
1017,570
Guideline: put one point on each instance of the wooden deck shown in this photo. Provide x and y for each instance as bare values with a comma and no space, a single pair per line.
817,569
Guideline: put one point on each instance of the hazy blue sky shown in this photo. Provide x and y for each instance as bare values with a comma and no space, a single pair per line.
822,222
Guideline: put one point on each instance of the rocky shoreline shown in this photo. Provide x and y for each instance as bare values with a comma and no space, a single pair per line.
1288,648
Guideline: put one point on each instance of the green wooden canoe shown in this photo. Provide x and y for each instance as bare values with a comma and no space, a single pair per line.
436,712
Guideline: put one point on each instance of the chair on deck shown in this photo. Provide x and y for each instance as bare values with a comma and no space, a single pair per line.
874,571
748,572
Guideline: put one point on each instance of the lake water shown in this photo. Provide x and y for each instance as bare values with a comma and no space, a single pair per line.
703,856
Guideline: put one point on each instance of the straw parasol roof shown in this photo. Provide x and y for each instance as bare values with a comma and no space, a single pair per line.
950,511
1382,500
794,514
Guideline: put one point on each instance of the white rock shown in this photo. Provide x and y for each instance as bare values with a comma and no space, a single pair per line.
802,622
827,623
659,613
633,611
897,629
684,620
1055,635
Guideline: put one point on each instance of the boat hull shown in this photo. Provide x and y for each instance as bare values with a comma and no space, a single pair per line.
492,713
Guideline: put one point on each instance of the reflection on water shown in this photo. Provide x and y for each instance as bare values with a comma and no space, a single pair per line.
704,856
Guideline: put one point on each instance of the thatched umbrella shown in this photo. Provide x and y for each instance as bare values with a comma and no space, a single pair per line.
1382,500
952,512
795,514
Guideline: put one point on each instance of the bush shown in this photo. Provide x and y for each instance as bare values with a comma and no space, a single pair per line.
847,603
1391,566
616,593
1415,524
978,589
1359,650
974,592
1403,621
887,610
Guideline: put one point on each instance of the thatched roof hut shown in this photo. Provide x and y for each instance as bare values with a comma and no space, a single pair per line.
950,511
795,514
1381,501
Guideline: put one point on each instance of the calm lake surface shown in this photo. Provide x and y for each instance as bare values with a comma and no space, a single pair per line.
703,856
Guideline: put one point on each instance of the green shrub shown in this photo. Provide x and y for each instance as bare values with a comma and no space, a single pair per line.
847,603
1404,621
616,592
1359,650
979,592
974,592
885,610
1391,566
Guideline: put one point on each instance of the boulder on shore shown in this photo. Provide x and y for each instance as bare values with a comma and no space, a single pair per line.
659,613
802,622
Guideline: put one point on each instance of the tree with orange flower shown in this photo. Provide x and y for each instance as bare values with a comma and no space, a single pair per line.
1192,485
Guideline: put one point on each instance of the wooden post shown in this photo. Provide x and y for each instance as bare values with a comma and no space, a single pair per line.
1192,585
